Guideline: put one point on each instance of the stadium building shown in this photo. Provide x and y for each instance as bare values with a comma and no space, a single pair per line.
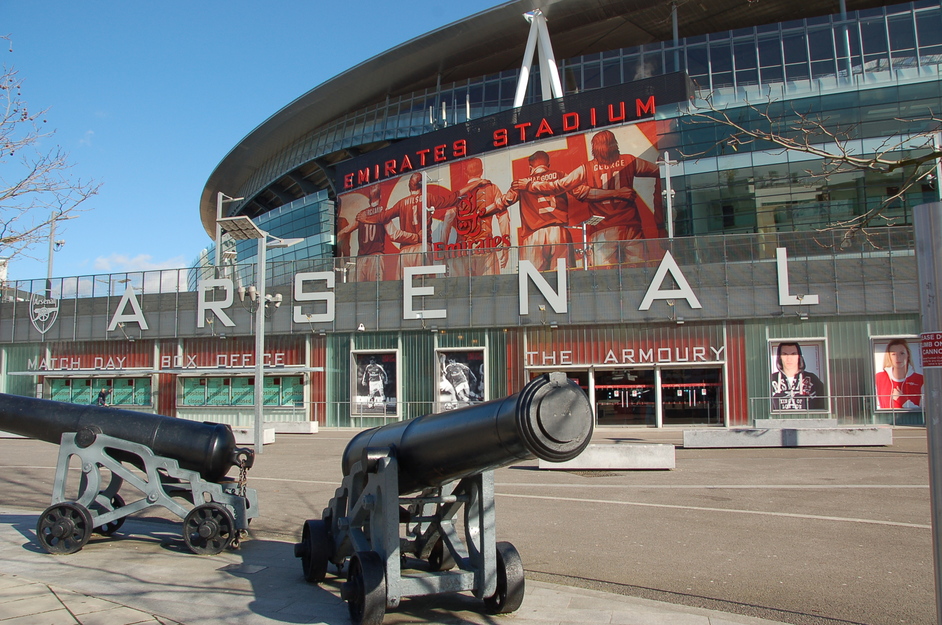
537,188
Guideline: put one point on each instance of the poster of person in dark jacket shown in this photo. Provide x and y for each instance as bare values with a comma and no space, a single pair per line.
796,382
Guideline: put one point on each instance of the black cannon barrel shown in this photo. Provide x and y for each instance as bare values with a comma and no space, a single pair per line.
550,418
207,448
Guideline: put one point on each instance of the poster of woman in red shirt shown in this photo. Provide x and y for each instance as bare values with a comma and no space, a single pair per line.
898,379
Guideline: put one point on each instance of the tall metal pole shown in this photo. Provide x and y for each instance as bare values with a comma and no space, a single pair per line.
424,216
937,146
585,246
668,194
216,260
52,249
845,37
260,346
675,30
927,223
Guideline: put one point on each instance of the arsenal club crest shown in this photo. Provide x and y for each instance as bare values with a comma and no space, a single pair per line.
43,312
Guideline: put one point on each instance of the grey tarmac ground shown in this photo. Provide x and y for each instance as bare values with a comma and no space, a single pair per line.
817,536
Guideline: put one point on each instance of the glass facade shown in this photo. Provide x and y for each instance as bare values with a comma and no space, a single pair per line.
127,392
862,74
310,218
735,206
240,391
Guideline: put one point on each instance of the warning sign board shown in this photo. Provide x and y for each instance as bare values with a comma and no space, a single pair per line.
931,349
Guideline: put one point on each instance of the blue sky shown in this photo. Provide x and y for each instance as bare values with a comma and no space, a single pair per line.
147,98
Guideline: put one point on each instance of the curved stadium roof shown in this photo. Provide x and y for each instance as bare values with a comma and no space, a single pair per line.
487,43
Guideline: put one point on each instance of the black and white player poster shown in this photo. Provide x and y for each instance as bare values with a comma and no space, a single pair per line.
461,378
375,384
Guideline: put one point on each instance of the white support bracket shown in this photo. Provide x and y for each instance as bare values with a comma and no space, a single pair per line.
538,39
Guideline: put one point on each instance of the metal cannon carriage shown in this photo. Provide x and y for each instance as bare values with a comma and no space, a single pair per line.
131,461
394,525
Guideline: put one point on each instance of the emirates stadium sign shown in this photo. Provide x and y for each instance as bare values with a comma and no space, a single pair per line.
573,114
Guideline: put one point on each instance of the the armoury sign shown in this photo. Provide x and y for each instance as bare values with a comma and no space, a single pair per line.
314,299
43,312
576,113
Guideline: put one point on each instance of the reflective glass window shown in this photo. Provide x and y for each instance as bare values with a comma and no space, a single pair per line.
611,73
821,45
929,28
875,46
652,65
902,35
746,55
591,76
697,66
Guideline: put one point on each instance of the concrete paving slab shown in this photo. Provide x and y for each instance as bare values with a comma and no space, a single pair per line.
35,604
60,617
146,575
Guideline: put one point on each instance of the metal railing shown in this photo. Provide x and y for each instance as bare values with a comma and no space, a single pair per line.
844,409
626,255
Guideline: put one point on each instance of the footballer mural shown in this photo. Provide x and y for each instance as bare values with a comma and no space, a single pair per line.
484,213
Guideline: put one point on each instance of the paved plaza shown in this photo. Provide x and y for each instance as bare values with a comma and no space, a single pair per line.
819,536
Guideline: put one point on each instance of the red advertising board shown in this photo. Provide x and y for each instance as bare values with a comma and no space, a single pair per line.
931,349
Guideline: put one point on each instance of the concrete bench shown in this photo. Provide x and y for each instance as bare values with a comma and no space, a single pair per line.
628,456
293,427
861,436
796,423
246,436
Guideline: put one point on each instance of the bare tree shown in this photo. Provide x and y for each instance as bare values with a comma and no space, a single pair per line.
913,151
36,188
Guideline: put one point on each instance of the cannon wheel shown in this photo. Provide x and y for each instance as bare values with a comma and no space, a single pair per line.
314,550
365,588
208,529
107,529
510,582
64,528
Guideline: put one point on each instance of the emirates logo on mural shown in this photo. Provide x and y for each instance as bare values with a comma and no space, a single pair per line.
43,312
468,220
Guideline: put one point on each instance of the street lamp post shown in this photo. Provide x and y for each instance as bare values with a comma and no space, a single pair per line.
242,228
668,193
593,220
221,198
54,246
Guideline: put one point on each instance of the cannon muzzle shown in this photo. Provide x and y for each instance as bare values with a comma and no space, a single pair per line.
550,418
207,448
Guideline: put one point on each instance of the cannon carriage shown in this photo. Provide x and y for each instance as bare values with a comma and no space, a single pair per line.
414,514
129,462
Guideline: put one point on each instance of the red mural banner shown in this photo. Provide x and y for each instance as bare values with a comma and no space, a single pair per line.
600,190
